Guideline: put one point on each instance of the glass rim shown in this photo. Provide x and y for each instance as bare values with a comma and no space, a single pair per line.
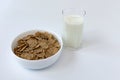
74,9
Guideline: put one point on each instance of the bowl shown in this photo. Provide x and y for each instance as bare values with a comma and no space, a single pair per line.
40,63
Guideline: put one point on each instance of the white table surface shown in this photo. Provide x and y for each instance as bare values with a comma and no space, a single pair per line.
99,57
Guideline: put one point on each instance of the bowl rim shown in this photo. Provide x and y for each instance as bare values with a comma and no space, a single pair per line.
58,37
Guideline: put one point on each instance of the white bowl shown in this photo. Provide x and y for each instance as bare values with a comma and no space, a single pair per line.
37,64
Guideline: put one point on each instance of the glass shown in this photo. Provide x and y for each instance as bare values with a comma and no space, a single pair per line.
73,27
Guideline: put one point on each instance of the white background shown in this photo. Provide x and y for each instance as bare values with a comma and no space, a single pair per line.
99,57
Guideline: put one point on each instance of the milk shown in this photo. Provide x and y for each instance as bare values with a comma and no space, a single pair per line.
73,30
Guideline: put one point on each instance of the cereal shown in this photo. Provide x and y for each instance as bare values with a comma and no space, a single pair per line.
32,42
40,45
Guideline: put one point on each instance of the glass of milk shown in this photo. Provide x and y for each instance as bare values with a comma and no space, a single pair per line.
73,27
